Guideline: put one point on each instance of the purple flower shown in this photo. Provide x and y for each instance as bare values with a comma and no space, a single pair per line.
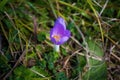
59,34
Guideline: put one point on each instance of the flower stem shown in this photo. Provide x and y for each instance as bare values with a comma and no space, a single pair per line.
57,48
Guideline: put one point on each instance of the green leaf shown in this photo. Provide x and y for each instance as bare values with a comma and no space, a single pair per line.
23,73
42,63
60,76
38,71
4,66
41,36
64,52
98,72
50,58
2,3
30,55
81,62
41,78
94,48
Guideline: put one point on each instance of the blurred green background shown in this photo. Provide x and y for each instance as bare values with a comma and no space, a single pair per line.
92,52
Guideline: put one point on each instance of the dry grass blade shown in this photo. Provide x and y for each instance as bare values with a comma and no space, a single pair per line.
18,61
84,41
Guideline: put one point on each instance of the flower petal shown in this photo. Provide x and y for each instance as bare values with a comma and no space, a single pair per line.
53,40
59,26
67,33
59,34
61,22
63,40
52,34
58,30
65,37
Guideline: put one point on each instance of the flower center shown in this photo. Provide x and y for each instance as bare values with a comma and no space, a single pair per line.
56,37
